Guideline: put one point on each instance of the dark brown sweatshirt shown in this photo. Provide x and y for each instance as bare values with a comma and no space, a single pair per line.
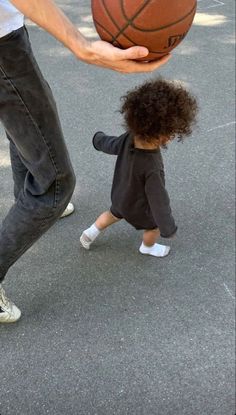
138,192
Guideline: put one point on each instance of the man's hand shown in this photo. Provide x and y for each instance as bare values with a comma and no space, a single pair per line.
107,56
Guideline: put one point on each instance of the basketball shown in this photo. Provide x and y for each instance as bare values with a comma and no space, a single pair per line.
160,25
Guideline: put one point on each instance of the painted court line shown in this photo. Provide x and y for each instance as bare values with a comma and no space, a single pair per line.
217,4
221,126
228,291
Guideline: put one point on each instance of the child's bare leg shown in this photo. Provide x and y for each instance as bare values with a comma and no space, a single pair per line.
150,236
149,245
103,221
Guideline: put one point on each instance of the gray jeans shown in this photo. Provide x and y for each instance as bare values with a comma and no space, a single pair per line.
43,176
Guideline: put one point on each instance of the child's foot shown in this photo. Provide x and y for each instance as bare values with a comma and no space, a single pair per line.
85,241
156,250
89,235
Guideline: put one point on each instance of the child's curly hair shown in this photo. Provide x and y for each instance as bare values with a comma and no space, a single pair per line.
159,110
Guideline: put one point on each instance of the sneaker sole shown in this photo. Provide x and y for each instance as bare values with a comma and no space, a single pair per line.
147,253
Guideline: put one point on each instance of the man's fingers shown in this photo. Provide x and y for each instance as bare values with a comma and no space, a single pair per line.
156,64
135,52
144,66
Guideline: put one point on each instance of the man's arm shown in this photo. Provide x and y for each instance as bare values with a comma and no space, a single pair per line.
46,14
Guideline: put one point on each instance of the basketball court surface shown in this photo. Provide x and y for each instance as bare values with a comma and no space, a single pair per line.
111,332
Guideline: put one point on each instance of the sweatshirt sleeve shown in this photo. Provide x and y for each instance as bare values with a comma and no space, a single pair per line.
159,203
108,144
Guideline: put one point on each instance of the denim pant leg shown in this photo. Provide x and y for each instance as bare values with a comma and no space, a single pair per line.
29,115
19,170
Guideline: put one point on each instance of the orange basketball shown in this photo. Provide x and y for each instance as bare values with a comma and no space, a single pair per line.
160,25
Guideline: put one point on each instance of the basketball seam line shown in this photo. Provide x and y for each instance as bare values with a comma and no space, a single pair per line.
135,44
166,26
129,20
105,30
109,15
114,38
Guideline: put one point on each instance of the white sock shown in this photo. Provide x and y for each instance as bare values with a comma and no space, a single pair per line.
155,250
92,232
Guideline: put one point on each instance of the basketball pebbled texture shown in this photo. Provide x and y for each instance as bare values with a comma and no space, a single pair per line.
160,25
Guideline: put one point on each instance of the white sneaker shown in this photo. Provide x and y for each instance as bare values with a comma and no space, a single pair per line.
9,313
85,241
68,211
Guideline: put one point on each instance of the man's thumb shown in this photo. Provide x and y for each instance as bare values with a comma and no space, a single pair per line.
135,52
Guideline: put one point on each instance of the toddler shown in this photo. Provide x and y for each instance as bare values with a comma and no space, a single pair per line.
155,113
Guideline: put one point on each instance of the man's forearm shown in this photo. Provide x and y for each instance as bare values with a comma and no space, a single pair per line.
46,14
